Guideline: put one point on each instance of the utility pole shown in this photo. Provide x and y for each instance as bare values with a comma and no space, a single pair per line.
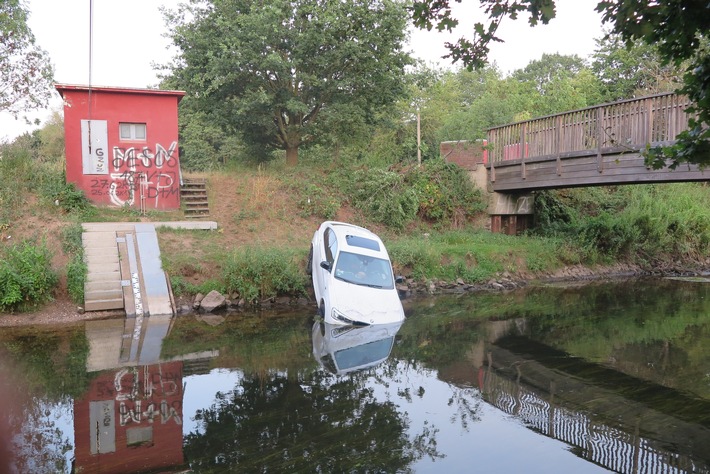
419,139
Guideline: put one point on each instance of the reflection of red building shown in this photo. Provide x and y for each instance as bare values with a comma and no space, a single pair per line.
130,420
121,145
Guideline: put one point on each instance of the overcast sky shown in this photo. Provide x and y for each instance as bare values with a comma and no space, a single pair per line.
129,37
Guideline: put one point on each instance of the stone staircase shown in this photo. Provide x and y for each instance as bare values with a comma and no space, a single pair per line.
193,196
124,269
103,288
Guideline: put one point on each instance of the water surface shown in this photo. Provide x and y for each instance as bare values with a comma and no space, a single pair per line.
606,377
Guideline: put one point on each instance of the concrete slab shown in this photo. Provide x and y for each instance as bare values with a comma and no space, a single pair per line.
191,225
156,286
98,239
106,285
107,226
99,251
103,305
104,276
102,267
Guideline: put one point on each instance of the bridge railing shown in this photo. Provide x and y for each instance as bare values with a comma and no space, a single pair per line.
615,127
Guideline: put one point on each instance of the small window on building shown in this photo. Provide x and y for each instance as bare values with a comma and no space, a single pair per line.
131,131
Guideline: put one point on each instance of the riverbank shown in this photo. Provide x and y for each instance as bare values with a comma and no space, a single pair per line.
62,311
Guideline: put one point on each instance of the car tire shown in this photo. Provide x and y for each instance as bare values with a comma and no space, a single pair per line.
321,310
309,266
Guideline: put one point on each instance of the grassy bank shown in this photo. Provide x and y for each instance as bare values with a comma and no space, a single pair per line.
431,218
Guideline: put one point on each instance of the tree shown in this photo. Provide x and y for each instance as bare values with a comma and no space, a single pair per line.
26,75
631,71
276,72
678,28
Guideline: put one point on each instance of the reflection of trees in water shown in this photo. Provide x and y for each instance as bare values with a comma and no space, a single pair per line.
30,438
310,422
403,373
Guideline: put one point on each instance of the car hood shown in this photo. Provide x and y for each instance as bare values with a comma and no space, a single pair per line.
367,305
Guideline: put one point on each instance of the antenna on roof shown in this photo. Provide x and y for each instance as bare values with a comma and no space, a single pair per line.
91,56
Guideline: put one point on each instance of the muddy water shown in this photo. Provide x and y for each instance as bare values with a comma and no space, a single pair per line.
605,377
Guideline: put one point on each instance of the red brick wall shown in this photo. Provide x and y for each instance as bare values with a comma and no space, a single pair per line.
464,153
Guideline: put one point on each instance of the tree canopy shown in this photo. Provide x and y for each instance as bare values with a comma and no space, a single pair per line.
281,74
26,74
677,28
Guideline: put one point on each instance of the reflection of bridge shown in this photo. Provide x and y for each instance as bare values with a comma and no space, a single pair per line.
652,432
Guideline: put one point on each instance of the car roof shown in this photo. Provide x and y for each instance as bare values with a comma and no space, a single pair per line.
345,232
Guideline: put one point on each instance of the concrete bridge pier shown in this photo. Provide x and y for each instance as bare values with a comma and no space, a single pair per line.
511,213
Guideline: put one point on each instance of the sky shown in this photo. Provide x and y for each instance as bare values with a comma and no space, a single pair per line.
129,37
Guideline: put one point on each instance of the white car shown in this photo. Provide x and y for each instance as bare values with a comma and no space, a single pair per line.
352,276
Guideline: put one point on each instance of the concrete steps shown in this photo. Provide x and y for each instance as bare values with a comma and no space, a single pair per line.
124,269
193,196
102,289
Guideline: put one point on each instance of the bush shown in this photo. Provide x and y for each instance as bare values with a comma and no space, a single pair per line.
384,197
26,276
446,193
76,276
258,274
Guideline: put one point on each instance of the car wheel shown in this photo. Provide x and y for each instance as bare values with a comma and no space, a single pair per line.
321,310
309,266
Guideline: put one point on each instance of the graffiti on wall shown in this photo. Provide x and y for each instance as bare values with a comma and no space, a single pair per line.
145,174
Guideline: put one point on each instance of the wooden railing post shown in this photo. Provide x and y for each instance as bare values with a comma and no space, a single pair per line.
558,139
523,128
649,121
600,128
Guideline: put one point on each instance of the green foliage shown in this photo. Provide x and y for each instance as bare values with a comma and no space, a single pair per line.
330,65
384,196
26,72
647,224
76,276
76,268
473,256
317,201
26,276
256,274
632,70
446,193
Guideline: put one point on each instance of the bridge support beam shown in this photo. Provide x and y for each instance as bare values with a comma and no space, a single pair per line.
511,213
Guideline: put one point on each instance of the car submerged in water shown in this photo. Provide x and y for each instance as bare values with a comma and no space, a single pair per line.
352,276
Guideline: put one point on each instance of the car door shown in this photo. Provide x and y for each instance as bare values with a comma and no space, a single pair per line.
323,251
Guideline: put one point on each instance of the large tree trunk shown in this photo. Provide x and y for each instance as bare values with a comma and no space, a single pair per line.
292,155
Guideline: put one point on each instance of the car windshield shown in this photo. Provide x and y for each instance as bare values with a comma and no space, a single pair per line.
364,270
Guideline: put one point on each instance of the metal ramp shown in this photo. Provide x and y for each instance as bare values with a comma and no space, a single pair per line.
124,269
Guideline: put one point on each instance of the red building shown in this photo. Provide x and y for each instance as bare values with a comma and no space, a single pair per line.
122,145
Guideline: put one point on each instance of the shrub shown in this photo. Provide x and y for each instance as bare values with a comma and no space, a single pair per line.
445,192
26,276
384,197
258,274
76,276
315,201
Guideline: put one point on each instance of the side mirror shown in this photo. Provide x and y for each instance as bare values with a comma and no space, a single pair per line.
399,279
325,265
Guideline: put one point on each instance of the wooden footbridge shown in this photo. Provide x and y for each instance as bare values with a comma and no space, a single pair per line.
597,146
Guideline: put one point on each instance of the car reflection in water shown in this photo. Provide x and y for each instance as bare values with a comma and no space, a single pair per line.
343,349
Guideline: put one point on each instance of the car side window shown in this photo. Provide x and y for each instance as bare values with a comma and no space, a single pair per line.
331,246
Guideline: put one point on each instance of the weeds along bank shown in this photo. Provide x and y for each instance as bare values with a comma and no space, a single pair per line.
430,217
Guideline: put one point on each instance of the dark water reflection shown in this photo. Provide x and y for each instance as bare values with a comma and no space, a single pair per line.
606,377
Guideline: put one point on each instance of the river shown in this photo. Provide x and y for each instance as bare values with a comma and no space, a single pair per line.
602,377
